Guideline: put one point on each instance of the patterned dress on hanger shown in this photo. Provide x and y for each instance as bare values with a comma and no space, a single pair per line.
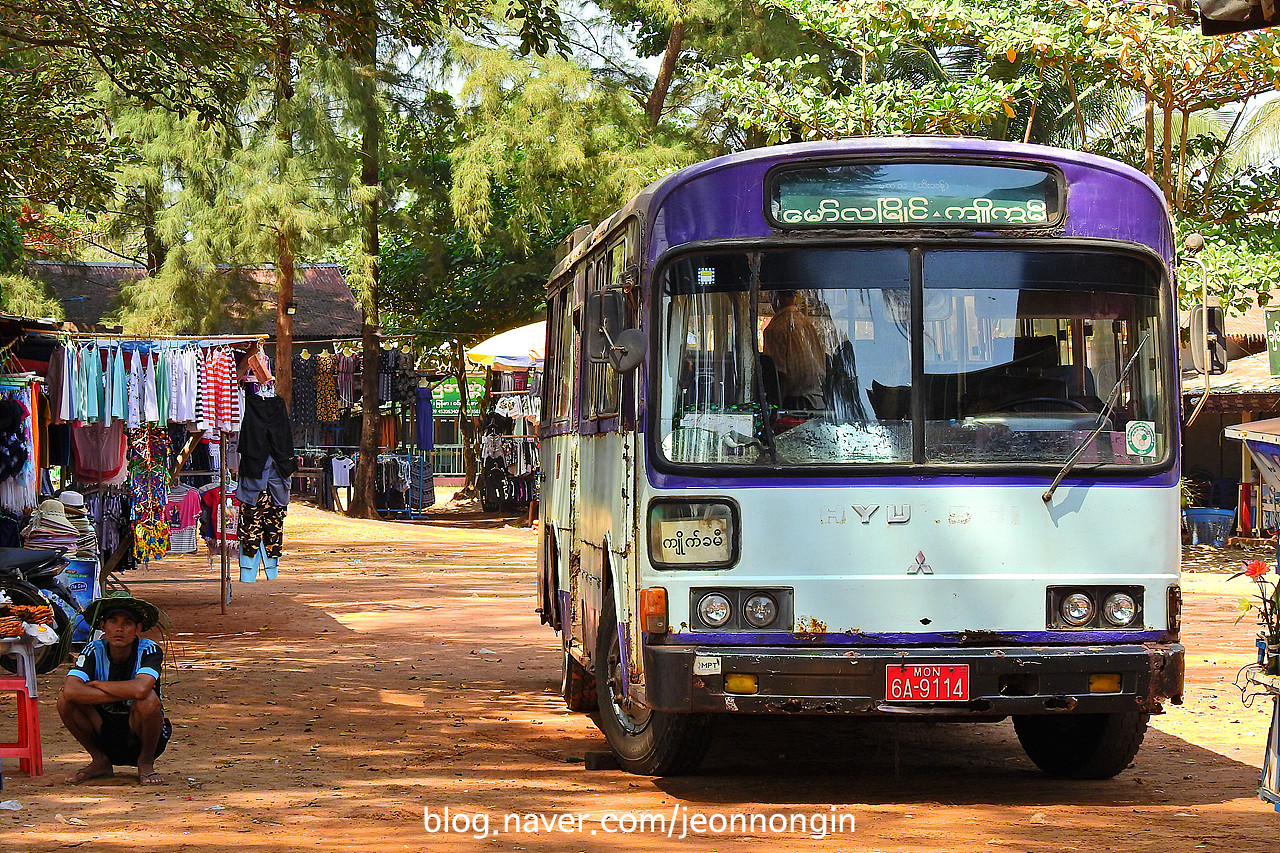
326,388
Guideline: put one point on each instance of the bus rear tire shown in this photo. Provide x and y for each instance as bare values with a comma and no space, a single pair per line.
645,741
577,686
1082,746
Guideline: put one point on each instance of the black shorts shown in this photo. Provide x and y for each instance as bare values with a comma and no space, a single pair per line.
121,743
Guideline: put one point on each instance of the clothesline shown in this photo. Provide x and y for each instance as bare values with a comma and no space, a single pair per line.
303,342
198,339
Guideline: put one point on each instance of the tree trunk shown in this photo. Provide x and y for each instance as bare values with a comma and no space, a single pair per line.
658,97
155,248
1071,87
362,501
1180,197
466,428
1149,134
1167,144
285,252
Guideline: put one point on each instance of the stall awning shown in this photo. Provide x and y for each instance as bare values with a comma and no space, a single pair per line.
517,349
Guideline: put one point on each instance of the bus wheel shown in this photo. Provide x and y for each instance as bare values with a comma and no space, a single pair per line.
648,742
1082,746
577,686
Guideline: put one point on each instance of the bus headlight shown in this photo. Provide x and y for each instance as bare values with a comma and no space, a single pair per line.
728,609
1119,609
714,610
1076,609
1089,608
760,610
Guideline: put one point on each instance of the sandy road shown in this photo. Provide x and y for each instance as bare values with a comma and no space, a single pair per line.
395,668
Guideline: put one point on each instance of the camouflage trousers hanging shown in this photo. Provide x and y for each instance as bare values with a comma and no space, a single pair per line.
262,525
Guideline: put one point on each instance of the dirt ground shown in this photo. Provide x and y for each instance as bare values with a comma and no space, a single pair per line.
399,667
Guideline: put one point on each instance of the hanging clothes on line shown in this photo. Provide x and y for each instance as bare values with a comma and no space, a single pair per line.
267,464
149,489
326,388
18,456
222,396
183,516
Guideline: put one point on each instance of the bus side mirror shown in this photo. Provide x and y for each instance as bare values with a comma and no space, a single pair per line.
1208,327
608,339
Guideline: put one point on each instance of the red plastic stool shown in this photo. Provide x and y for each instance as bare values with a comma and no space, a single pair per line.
27,748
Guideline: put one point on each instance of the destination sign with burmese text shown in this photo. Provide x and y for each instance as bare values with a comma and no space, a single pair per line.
906,194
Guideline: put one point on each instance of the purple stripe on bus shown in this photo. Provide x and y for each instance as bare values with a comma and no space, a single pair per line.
956,639
566,605
936,479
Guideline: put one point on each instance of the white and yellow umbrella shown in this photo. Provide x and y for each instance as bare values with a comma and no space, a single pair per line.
517,349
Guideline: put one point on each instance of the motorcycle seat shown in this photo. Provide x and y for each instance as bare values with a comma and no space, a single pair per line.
28,559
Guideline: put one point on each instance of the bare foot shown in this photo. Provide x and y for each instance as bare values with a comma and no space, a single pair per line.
147,775
93,770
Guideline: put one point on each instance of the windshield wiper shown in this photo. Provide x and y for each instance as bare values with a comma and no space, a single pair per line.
1102,421
763,399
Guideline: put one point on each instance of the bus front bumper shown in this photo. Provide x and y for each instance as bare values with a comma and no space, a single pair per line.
1001,680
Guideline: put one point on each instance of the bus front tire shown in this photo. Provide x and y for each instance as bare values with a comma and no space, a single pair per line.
1082,746
645,741
577,686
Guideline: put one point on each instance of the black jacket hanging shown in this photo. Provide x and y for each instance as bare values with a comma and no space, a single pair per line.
265,432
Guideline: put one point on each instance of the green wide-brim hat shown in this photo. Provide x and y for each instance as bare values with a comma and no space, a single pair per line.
146,613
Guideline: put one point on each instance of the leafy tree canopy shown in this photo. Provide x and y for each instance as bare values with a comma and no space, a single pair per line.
26,297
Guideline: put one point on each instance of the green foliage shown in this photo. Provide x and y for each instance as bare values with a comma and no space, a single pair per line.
185,57
779,98
27,298
10,245
435,281
561,147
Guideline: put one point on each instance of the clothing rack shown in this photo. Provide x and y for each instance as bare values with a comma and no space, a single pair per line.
423,458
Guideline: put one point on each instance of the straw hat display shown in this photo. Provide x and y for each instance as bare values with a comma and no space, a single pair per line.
87,537
51,528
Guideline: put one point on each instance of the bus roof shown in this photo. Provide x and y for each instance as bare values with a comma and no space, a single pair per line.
723,198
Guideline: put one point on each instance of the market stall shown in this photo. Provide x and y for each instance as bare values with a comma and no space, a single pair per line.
142,439
328,409
509,465
1262,440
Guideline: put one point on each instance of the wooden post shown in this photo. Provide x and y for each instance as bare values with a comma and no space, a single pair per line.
220,535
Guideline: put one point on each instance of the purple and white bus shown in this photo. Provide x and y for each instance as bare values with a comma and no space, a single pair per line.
868,427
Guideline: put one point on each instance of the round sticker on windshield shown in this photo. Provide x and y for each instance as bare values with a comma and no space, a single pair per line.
1140,436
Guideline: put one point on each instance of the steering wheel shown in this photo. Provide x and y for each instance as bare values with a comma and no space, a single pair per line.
1060,402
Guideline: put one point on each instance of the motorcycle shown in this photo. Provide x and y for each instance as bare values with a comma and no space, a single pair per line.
30,576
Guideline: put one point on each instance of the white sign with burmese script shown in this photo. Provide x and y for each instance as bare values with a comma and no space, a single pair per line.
693,540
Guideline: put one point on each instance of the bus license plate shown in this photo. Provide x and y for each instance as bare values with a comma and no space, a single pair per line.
926,683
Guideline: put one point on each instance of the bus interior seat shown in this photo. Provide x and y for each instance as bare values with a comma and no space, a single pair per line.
840,388
1083,392
713,377
890,402
1035,353
772,384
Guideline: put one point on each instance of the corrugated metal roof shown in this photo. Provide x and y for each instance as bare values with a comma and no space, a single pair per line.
326,307
1248,375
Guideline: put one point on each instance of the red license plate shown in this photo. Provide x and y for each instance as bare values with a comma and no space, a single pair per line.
926,682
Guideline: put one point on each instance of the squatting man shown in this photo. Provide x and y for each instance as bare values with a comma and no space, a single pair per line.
110,700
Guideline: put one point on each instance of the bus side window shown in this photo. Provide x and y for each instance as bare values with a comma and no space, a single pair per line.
604,383
557,382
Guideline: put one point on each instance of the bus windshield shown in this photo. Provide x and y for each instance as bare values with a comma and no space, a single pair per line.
824,357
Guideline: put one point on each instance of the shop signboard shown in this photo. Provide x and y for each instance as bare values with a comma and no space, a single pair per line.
445,401
1273,339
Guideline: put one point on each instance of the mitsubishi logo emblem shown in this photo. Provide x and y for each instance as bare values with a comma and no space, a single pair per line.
921,567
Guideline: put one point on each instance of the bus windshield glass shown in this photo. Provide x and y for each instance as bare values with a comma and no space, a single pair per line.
830,357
